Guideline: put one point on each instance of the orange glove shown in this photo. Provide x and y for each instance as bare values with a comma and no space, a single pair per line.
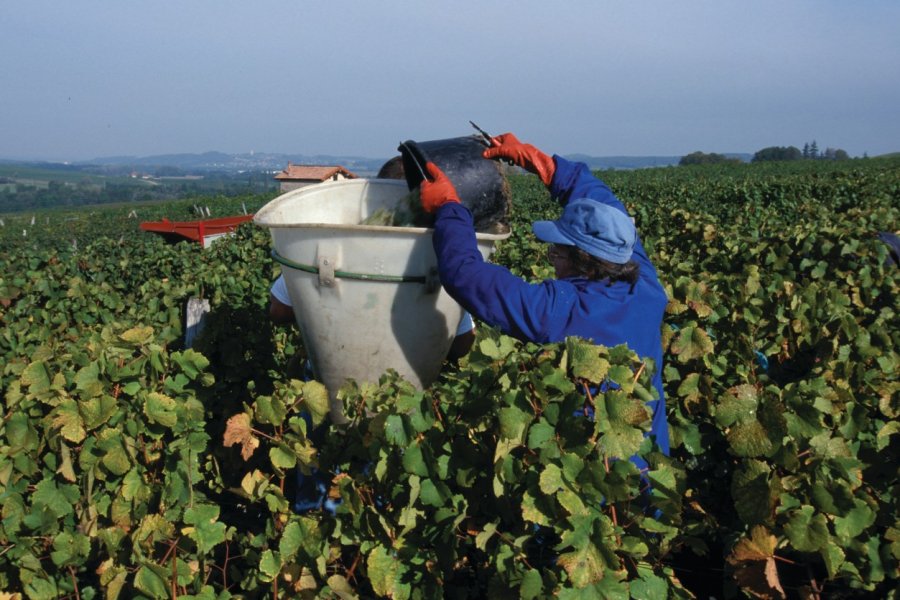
437,191
523,155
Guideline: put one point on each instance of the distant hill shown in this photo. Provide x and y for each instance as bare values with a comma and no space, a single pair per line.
260,161
221,162
255,161
624,162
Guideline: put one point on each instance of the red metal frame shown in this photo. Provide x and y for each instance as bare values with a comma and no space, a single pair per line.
194,231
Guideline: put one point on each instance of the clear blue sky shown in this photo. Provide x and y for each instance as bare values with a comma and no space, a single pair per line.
91,78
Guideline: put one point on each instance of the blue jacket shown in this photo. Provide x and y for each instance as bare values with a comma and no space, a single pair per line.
550,311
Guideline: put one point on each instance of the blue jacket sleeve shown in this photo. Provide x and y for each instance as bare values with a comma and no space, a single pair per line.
491,292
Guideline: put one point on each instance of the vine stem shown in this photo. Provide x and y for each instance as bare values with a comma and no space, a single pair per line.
638,374
352,569
589,399
74,583
265,435
175,571
816,590
225,566
172,547
437,410
190,479
612,507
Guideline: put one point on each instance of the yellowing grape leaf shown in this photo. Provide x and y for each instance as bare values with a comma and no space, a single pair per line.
239,431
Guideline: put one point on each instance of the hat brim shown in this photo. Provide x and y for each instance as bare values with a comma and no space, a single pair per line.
548,231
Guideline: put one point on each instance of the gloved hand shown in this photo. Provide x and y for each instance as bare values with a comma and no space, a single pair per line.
523,155
436,191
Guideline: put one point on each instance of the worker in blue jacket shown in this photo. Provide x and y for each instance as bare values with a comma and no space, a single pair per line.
606,289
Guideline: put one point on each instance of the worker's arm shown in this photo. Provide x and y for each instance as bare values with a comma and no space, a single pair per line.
280,313
490,292
280,310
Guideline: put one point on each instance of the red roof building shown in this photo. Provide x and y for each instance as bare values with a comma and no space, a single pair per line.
297,176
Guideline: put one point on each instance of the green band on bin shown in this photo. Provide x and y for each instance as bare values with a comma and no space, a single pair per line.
348,275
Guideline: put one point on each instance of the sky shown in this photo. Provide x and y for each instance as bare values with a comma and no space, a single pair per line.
90,78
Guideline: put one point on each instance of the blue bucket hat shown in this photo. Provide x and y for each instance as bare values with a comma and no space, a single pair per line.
599,229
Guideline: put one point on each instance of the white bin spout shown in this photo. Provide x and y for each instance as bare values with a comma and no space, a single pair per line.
366,298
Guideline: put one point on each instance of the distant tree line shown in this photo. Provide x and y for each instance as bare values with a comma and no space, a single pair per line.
810,152
707,158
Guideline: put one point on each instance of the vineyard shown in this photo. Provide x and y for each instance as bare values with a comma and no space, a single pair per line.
132,466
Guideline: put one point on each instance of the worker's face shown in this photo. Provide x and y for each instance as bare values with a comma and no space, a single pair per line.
560,258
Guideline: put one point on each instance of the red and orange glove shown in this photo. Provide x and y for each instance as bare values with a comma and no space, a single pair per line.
437,191
528,157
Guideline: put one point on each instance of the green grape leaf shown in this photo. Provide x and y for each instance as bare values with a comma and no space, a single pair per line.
192,363
689,389
115,459
513,423
532,585
269,565
551,480
270,410
540,433
208,531
152,580
291,541
433,494
534,509
855,522
807,530
752,493
738,405
69,548
395,431
36,378
833,556
87,381
622,432
134,487
315,398
634,546
691,343
161,409
384,571
57,499
648,585
414,462
483,536
750,439
883,438
583,565
585,360
140,335
69,421
282,457
97,411
489,348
